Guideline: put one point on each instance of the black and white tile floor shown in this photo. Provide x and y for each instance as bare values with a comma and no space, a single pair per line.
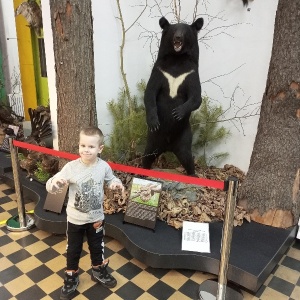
32,265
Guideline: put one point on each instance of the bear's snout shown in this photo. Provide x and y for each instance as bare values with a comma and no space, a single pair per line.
178,40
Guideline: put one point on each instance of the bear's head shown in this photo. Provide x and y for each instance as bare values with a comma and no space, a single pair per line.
180,38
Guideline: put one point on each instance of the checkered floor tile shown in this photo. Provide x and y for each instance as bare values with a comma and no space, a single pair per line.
32,266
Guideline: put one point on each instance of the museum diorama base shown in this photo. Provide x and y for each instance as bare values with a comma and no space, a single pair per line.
255,249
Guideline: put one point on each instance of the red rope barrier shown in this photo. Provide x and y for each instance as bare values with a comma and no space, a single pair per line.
128,169
52,152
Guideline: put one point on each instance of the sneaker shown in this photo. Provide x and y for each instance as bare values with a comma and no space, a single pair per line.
71,282
101,275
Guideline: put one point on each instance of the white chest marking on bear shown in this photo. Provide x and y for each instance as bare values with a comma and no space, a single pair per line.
175,82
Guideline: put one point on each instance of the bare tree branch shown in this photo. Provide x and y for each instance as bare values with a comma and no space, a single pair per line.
122,46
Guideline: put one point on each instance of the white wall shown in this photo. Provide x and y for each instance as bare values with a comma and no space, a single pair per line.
239,45
9,45
48,40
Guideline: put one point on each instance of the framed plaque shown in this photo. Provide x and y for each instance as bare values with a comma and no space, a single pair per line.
4,144
143,202
55,202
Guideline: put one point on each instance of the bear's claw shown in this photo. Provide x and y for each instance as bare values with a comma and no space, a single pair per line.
154,128
176,113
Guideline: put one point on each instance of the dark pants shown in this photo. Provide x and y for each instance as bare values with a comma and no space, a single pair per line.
75,235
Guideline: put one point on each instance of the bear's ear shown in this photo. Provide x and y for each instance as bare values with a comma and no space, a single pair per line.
163,22
198,24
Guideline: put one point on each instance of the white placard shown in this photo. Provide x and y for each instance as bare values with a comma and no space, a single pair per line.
195,237
298,234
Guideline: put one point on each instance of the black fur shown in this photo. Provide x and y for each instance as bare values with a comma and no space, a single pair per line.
168,110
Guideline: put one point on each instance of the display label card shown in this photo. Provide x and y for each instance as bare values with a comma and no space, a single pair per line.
195,237
143,202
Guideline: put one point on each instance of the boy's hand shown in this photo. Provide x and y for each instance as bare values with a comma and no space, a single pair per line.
116,185
58,183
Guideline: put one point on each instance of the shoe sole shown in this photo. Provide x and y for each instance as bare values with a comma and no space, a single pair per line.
102,283
70,296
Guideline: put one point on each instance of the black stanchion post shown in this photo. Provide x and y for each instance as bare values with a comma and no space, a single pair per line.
211,289
20,222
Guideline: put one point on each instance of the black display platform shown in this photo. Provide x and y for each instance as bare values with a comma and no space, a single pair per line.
255,250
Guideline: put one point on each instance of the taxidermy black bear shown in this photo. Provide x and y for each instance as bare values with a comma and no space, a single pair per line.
172,93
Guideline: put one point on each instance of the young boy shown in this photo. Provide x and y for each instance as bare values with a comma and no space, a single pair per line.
85,177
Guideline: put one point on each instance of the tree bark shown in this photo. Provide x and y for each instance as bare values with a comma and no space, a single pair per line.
270,191
72,26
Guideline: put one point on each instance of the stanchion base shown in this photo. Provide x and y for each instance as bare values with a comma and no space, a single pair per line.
208,291
13,224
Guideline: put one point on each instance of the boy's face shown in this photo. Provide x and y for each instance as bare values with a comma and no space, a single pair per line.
89,147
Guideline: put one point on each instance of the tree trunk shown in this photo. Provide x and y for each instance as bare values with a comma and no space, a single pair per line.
271,189
72,26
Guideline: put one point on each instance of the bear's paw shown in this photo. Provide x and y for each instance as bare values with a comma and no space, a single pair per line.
153,124
178,113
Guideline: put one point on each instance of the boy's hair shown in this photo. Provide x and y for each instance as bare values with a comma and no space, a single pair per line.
93,130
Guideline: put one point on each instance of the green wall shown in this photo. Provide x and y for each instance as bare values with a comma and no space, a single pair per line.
41,82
